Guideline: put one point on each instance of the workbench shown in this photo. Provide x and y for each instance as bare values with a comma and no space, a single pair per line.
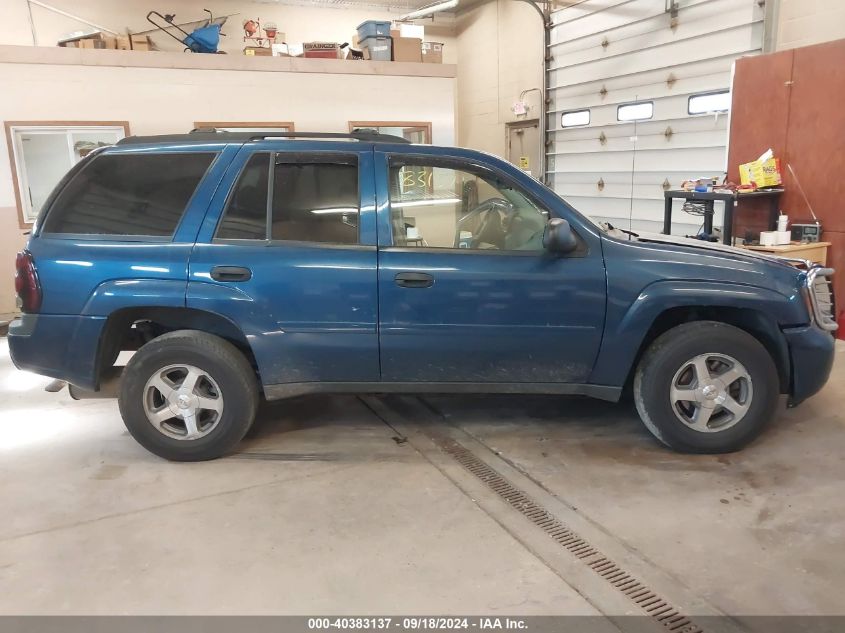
730,200
814,251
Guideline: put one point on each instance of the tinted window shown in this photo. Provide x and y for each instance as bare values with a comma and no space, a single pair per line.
246,212
128,194
315,202
442,207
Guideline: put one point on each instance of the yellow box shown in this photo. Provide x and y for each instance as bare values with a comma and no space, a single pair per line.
762,173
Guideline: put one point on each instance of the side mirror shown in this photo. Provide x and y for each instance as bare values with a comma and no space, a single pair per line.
558,237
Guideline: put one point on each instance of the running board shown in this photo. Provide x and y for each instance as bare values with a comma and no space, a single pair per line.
290,390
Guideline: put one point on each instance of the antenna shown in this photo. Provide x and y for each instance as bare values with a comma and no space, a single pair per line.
636,140
801,189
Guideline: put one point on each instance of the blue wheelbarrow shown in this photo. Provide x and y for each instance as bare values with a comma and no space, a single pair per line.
204,39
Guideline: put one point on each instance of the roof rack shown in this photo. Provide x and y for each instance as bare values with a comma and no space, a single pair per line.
211,134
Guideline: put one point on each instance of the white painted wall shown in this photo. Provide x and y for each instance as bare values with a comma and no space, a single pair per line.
167,100
499,47
806,22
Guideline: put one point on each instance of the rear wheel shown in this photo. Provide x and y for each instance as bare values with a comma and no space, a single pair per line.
706,387
188,396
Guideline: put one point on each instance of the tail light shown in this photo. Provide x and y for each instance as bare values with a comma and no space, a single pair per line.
27,286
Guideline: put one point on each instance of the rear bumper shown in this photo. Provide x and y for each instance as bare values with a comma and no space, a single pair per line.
811,352
63,347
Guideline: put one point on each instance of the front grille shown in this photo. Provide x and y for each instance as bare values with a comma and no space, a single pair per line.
821,297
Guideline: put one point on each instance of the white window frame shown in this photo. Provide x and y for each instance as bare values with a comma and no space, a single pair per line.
15,129
634,104
566,126
704,95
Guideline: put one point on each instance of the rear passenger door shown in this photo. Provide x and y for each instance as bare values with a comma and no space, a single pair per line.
287,252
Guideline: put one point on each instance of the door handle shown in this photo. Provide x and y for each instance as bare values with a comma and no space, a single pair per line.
231,273
414,280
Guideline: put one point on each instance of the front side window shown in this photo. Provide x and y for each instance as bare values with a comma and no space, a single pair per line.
443,207
129,194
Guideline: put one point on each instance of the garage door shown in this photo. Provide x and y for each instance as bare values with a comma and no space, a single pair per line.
638,98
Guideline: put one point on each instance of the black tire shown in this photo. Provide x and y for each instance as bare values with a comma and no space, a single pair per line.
668,355
223,362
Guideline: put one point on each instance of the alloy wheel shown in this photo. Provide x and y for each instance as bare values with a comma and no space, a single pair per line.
183,402
711,392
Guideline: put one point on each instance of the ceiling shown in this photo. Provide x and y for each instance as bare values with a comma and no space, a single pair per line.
396,5
399,5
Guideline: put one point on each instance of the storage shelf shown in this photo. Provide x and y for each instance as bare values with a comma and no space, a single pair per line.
159,59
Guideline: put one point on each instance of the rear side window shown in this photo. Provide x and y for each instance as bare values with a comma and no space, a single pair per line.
315,202
129,194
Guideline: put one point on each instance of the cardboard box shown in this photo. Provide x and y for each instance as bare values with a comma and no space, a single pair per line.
763,173
321,50
123,43
258,51
432,52
91,40
140,43
395,32
407,49
412,30
280,50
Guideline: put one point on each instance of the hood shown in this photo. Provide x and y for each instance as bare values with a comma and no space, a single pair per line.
731,251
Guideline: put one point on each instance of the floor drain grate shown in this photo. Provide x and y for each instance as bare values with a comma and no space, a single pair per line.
650,602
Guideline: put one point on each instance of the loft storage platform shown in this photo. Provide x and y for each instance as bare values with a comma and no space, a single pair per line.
159,59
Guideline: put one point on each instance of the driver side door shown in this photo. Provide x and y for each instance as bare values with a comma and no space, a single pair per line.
467,294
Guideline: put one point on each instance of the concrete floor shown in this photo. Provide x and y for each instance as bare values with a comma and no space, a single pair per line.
323,511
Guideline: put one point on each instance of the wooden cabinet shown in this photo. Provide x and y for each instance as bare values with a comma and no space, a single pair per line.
792,101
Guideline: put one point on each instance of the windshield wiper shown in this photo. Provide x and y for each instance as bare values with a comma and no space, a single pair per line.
610,227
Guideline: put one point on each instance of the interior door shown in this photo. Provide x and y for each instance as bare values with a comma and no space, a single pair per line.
288,254
466,291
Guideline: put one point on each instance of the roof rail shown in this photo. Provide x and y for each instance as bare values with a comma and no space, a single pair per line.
210,134
360,134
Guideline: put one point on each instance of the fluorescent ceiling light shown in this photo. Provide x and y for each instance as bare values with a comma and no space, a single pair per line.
338,210
424,203
429,10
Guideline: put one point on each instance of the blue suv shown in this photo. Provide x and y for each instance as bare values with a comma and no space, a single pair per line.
241,266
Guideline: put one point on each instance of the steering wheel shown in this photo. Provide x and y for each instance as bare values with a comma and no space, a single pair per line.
493,206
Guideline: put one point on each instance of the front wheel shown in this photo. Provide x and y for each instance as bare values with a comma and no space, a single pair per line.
188,396
706,387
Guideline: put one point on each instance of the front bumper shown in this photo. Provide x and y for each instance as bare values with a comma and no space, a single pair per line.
811,352
58,346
